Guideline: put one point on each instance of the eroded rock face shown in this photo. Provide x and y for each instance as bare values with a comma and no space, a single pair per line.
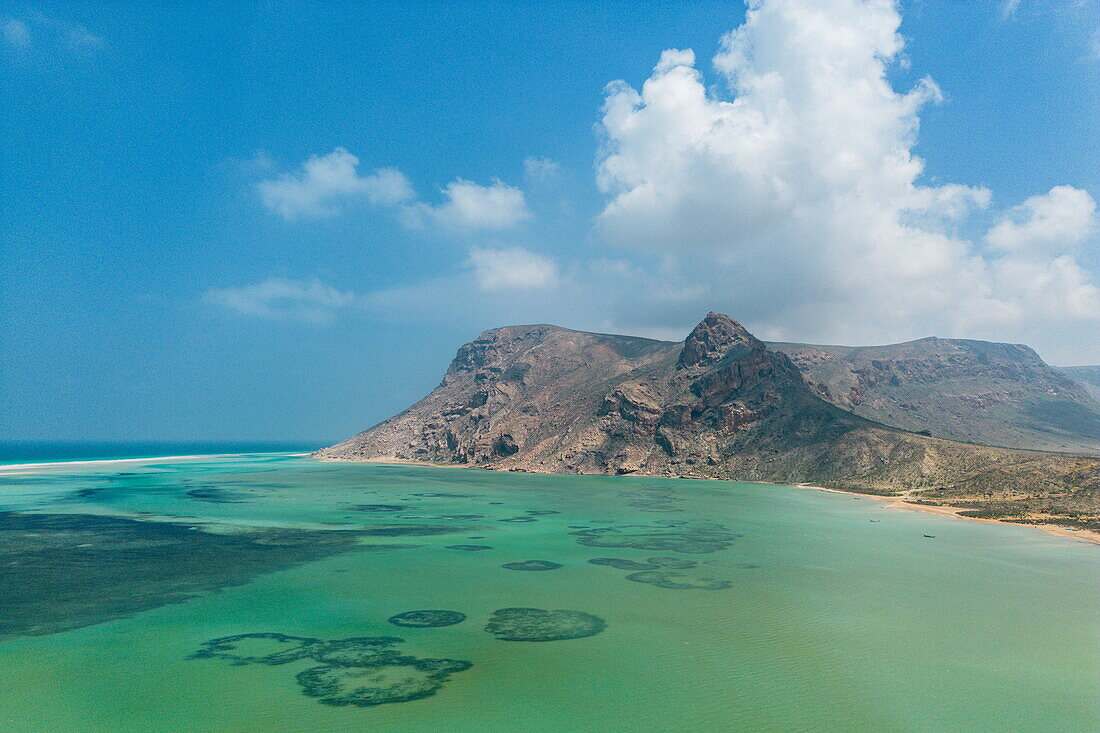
719,405
713,339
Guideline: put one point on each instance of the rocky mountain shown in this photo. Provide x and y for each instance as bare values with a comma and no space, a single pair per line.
719,405
1089,376
973,391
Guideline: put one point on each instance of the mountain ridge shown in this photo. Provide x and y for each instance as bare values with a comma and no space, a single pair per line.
962,389
721,404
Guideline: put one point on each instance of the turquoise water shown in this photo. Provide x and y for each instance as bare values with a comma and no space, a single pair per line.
801,610
41,451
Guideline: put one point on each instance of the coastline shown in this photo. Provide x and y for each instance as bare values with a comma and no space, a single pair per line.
17,468
893,502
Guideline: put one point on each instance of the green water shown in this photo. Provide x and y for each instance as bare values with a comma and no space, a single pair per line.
836,612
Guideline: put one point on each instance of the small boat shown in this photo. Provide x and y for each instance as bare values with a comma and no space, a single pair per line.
931,536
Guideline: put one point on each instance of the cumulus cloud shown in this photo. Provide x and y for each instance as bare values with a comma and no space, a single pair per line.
791,196
325,181
512,268
282,299
1055,222
470,206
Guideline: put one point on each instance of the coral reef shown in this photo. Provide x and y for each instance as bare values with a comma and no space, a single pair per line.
531,565
360,671
537,624
427,619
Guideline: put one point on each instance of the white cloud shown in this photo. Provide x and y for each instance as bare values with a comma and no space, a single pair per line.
307,301
325,181
78,38
540,169
795,201
16,33
40,32
1008,8
1056,222
512,268
472,206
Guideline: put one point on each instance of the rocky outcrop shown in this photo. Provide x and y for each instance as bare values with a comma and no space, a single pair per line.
722,404
1087,376
715,338
973,391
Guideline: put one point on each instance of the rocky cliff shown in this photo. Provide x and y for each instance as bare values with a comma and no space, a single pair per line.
973,391
1089,376
719,405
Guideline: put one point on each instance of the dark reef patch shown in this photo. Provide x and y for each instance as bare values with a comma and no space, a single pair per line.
468,548
541,512
689,539
537,624
531,565
621,564
664,572
355,651
429,619
651,501
443,517
443,495
408,530
674,580
360,671
64,571
389,678
265,647
672,563
216,495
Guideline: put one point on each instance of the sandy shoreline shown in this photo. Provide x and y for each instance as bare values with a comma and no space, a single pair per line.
893,502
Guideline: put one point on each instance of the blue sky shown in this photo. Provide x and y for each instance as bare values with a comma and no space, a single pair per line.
173,267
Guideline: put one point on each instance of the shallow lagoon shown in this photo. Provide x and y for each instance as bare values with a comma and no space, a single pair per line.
757,607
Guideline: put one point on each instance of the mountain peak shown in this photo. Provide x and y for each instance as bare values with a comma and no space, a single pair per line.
713,338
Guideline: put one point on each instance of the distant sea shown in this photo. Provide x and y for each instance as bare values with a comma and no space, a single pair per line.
49,451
